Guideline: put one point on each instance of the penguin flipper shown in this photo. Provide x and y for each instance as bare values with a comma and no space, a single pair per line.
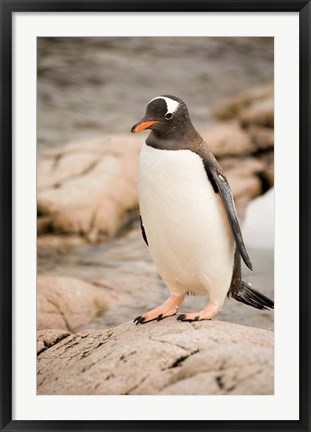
227,199
221,185
143,232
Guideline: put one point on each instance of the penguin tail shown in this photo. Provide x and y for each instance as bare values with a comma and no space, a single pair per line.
251,297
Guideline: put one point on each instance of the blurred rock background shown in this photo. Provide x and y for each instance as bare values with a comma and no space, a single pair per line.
94,270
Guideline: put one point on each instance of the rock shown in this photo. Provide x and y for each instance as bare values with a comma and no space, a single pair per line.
52,244
262,138
227,139
166,357
243,166
260,114
68,303
89,188
267,175
232,107
47,338
44,225
270,175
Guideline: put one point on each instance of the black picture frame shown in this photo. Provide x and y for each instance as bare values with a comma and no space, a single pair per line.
8,7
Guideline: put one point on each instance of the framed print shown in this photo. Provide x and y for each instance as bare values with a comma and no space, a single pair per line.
106,236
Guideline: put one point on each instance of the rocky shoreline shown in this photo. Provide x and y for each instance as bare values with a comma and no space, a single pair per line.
95,272
161,358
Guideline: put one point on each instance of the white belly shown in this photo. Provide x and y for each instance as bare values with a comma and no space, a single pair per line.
189,236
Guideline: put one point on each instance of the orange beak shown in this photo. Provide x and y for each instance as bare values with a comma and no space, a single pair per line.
142,126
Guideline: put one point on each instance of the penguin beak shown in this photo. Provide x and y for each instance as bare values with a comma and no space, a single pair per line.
142,125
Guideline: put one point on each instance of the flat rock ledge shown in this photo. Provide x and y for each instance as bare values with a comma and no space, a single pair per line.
167,357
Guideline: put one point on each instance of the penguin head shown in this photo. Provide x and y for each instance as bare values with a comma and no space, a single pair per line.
164,114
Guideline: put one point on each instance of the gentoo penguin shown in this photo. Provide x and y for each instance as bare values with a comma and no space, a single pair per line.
188,217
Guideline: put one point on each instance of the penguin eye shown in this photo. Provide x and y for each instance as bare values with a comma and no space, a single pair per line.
168,115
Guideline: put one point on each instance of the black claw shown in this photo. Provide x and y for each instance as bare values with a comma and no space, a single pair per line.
160,317
181,317
139,320
196,318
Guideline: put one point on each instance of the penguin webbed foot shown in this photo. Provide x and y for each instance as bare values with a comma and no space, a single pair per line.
148,318
205,314
167,309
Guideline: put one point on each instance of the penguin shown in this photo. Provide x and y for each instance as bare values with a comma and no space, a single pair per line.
188,217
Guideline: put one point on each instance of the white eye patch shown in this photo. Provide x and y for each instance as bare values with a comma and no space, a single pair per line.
171,104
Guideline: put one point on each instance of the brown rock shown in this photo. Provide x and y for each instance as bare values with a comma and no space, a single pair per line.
58,168
47,338
226,139
232,107
242,167
270,175
211,357
52,245
229,139
260,114
68,303
44,225
89,188
261,137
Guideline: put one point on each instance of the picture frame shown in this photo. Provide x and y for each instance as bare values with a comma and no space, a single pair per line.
8,8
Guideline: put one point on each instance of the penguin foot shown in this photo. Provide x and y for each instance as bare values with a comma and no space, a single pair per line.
189,317
167,309
205,314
